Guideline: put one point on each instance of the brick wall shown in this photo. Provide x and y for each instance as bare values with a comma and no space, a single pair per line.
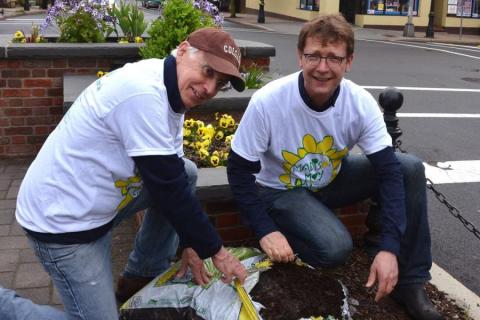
225,217
31,99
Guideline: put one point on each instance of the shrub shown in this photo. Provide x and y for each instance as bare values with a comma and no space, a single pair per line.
80,20
179,19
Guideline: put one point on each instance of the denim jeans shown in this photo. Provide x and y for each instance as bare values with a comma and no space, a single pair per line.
14,307
82,273
320,238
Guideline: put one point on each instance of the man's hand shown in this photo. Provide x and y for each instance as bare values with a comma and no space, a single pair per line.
190,259
276,246
384,269
229,265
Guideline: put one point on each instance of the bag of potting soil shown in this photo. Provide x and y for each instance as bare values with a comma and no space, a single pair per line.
289,291
169,298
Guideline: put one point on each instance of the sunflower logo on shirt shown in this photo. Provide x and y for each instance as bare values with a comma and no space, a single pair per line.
130,189
314,165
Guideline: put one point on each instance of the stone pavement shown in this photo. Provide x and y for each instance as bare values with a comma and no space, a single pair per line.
19,267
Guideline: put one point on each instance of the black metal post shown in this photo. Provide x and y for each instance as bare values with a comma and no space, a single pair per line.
261,12
431,16
26,5
391,99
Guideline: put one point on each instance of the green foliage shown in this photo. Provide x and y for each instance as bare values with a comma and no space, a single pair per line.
131,20
70,30
255,78
179,19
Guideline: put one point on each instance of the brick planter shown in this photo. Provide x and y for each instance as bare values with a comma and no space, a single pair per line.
31,84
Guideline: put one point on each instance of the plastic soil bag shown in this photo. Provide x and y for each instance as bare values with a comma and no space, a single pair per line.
287,290
170,298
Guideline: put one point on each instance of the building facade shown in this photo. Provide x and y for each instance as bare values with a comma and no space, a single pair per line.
449,15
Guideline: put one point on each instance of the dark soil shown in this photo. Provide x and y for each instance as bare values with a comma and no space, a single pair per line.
289,291
292,292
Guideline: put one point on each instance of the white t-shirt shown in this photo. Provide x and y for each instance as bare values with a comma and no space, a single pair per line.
84,172
299,147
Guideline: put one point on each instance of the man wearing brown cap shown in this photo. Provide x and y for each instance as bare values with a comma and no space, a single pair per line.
119,150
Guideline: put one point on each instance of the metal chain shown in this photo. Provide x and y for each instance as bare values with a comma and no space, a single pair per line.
441,197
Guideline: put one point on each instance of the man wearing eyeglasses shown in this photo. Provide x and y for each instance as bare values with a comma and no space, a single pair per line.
118,150
290,166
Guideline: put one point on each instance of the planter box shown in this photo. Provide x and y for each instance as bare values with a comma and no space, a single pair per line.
32,83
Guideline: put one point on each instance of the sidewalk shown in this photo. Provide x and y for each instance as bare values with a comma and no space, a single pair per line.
19,267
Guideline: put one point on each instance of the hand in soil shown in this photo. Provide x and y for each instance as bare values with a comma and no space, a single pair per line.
383,270
229,265
276,246
190,259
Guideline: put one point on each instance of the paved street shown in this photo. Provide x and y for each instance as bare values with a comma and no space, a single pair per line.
440,119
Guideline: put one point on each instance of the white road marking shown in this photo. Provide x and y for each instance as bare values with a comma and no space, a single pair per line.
439,115
453,172
423,89
448,45
25,19
422,47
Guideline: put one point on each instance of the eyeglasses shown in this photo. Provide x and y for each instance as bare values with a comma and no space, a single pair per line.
209,73
315,59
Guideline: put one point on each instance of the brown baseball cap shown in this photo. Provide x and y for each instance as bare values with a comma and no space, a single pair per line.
221,53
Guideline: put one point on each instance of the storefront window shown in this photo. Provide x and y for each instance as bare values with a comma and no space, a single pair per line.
390,7
309,4
466,8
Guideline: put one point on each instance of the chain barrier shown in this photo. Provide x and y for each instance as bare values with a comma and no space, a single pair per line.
441,197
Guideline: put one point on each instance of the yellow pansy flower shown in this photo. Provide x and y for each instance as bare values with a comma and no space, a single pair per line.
229,139
219,135
100,73
187,132
223,123
231,122
203,153
138,40
214,160
200,123
189,123
19,34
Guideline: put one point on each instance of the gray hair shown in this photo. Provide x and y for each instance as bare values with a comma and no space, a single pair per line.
190,49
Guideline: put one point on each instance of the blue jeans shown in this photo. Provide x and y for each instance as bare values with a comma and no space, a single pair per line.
82,273
14,307
320,238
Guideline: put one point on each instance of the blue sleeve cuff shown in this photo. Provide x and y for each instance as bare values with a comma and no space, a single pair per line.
390,244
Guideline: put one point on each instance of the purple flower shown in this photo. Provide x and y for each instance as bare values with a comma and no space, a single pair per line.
211,9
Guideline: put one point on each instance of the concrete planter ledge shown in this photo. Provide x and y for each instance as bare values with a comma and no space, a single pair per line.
212,185
249,49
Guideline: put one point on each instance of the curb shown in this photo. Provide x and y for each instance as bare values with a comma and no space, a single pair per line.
463,296
22,13
249,24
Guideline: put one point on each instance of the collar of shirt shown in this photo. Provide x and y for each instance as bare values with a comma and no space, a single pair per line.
170,80
308,101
